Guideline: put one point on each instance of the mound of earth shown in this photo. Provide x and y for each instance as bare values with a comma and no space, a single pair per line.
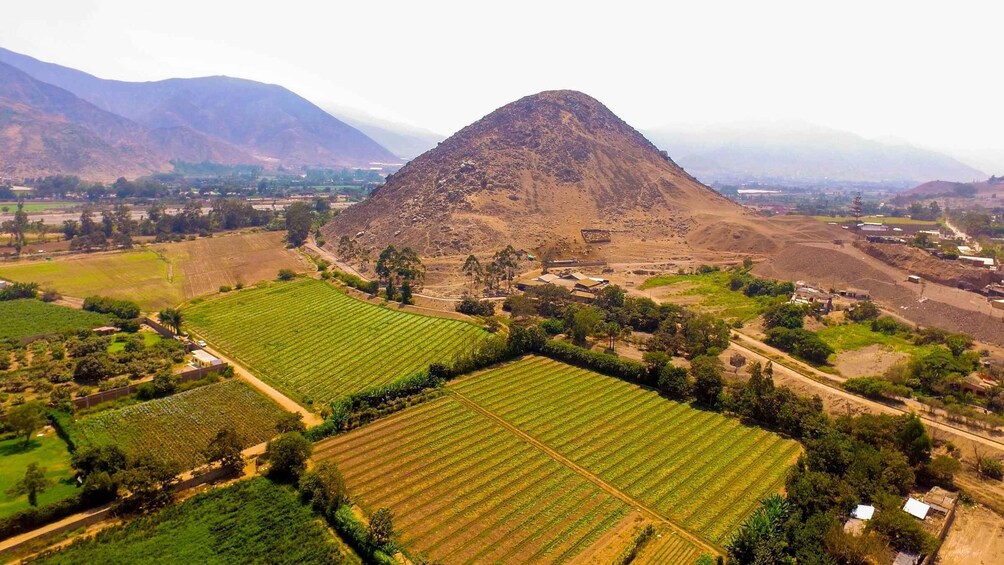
537,171
919,262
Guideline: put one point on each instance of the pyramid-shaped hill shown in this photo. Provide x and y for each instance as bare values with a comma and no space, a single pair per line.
536,172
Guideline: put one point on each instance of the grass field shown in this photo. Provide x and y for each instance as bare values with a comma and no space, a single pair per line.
464,489
23,318
497,452
314,342
119,340
179,427
252,521
36,206
853,336
708,292
162,274
48,451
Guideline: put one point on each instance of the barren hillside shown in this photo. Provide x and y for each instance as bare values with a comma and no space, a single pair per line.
537,171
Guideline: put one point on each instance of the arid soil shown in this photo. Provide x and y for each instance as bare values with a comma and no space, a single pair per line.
976,538
867,361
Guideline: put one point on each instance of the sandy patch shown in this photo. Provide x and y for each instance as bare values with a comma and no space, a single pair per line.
976,537
869,361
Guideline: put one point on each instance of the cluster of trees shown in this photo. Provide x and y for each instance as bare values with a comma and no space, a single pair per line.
801,343
122,309
866,459
17,228
19,291
115,229
302,217
503,268
401,272
750,285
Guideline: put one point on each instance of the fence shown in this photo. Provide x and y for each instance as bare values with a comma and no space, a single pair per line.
105,396
157,327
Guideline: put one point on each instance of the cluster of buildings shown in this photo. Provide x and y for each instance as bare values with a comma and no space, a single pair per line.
934,509
823,301
582,287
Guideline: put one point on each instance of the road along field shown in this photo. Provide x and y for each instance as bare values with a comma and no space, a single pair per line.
163,274
24,318
314,343
179,427
537,433
700,469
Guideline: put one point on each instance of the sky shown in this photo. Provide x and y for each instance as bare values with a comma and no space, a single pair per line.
926,73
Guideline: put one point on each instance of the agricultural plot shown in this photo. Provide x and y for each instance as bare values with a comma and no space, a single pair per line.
699,469
464,489
179,427
23,318
252,521
314,343
708,292
163,274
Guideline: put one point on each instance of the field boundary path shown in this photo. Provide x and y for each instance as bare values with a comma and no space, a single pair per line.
309,418
605,486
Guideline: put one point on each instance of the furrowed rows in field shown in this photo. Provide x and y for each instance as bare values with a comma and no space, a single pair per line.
667,547
464,488
702,470
314,342
179,427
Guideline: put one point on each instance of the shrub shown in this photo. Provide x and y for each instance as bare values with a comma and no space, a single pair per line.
474,307
865,310
50,295
225,288
286,274
674,382
596,361
889,325
874,387
552,326
803,343
990,468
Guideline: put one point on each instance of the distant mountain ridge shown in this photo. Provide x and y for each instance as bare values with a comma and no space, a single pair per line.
220,119
798,154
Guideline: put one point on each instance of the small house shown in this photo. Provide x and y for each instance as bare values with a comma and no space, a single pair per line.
822,301
977,261
916,508
941,500
977,383
863,512
856,293
203,358
106,330
913,279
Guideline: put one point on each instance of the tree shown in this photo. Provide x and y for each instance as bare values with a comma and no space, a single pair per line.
287,456
290,422
324,487
299,218
864,310
761,539
26,418
857,208
785,315
737,361
913,440
406,292
585,320
33,483
381,528
707,375
149,482
286,275
612,330
172,318
704,332
18,227
472,270
225,449
674,382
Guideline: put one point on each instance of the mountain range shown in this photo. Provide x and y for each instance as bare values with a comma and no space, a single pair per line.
799,154
61,120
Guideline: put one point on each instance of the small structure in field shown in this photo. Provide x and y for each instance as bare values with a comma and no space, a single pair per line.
856,293
999,304
916,508
913,279
987,262
904,558
941,500
821,301
595,236
203,358
977,383
106,330
863,512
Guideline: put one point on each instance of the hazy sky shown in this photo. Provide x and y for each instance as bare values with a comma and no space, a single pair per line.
924,72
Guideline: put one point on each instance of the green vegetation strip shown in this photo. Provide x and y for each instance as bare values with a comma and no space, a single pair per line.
49,452
24,318
710,292
179,427
252,521
314,343
703,470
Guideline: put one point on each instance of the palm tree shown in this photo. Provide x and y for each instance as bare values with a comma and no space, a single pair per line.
172,318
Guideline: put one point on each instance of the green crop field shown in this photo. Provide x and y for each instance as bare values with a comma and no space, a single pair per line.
464,489
702,470
30,207
23,318
48,451
252,521
314,342
853,336
709,292
179,427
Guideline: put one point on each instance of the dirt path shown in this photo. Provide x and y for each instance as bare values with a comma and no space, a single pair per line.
309,418
605,486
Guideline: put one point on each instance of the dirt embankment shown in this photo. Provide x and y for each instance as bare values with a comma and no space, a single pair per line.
843,267
919,262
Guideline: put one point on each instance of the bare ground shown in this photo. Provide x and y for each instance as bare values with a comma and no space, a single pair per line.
868,361
976,538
